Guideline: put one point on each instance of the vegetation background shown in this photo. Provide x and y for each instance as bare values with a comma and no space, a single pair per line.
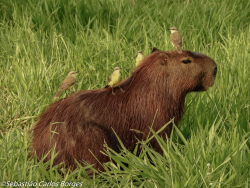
42,40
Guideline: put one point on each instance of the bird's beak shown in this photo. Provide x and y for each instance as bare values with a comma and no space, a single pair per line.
168,29
76,71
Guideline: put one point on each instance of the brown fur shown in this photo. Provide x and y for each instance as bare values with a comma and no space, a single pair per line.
85,118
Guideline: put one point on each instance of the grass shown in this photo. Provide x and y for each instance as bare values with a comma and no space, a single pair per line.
42,40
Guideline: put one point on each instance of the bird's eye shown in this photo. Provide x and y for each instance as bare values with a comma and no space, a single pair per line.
186,61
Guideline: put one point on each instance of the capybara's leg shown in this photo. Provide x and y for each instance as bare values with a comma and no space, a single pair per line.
87,146
71,145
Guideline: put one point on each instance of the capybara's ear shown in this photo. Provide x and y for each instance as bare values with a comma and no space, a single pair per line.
163,58
155,50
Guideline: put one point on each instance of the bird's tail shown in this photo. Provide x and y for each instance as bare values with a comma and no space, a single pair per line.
58,94
106,86
179,50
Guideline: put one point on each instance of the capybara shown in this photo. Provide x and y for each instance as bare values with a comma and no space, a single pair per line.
83,122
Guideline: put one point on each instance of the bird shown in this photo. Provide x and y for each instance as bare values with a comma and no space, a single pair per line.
68,83
176,39
115,79
139,58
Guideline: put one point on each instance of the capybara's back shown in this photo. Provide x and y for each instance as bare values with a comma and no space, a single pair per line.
83,122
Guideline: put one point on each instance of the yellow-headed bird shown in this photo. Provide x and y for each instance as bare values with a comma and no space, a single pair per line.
115,79
139,58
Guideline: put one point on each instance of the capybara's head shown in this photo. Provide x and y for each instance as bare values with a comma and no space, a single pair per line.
191,70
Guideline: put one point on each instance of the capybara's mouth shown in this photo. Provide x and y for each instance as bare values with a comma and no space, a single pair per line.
208,81
204,87
200,88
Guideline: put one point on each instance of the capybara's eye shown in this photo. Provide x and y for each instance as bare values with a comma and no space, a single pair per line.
186,61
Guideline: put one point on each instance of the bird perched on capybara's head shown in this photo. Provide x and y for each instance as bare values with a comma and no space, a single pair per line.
83,122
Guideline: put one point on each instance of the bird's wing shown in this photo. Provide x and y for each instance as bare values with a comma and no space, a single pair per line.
176,44
67,83
176,38
108,81
120,78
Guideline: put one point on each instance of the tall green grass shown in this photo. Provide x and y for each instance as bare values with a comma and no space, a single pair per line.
42,40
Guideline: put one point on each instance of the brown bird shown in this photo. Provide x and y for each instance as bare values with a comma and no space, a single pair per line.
139,58
115,79
68,83
176,39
